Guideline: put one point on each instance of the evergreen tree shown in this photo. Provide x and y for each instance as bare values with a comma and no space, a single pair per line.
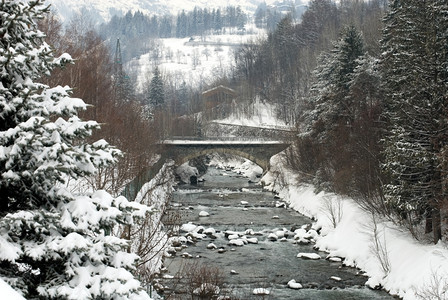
331,113
156,92
194,22
414,68
123,89
333,76
241,18
54,244
165,27
182,25
217,21
260,16
207,19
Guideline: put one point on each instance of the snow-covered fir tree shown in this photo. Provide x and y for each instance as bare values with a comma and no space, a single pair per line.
414,70
156,93
54,244
333,77
124,91
333,111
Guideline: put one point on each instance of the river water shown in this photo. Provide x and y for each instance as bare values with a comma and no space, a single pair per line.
242,209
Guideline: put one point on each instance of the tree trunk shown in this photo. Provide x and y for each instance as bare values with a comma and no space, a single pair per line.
436,225
428,224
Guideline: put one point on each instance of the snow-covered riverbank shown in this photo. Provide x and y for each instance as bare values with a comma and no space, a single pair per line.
387,253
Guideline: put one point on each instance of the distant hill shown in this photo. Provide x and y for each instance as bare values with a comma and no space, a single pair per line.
102,10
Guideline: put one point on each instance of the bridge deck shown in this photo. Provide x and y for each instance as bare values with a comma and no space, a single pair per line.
221,142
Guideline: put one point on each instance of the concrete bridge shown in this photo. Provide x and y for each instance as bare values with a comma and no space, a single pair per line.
183,149
260,152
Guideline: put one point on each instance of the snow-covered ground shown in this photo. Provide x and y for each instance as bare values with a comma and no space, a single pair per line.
387,253
263,116
197,61
8,292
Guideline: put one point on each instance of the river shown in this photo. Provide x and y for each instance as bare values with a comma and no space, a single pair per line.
263,256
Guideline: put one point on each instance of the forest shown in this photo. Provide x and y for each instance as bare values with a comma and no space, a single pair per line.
363,82
135,30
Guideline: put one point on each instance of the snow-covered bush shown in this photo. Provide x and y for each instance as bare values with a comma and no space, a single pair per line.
53,244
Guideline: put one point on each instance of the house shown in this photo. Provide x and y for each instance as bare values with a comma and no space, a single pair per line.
218,101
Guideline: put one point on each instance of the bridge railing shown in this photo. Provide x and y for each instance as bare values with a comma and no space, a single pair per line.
223,138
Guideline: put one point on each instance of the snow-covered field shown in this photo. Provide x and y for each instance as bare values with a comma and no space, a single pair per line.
263,116
197,61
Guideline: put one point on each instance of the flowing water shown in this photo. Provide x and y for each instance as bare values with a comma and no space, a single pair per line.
236,206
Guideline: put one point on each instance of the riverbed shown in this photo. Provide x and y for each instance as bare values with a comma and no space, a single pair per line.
251,239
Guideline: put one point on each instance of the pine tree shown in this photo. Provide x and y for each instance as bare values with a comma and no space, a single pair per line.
260,16
181,25
332,112
332,80
414,68
156,92
217,21
123,90
241,18
54,244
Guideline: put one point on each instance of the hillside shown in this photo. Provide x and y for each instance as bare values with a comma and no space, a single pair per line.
102,10
194,61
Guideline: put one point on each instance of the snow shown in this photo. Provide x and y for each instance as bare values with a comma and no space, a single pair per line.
264,116
197,62
292,284
212,246
252,240
335,259
272,237
8,292
105,9
309,256
233,236
335,278
206,288
410,268
413,268
237,242
204,214
189,227
222,142
210,231
239,165
185,171
261,291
